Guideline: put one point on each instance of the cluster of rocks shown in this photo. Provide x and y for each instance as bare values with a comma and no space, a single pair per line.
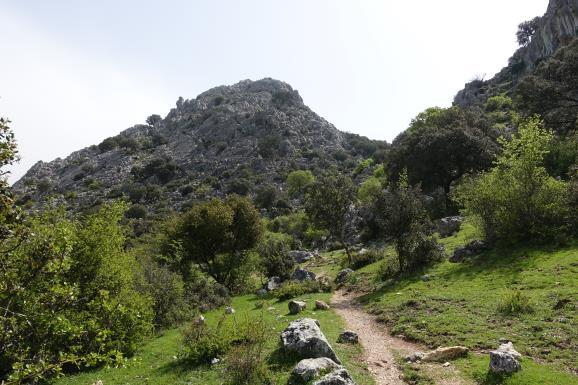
469,250
449,225
302,256
503,360
319,364
299,275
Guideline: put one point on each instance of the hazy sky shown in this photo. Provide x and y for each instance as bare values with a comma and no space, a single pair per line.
75,72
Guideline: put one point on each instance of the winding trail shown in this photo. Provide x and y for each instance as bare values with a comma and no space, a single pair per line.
380,348
378,345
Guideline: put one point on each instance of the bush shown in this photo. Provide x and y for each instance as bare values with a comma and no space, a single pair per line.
203,342
245,363
71,299
402,216
517,200
515,302
166,289
136,212
360,260
274,259
293,289
298,181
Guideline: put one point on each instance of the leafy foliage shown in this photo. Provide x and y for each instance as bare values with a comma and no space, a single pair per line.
330,205
274,259
298,181
403,217
216,235
527,30
67,296
439,147
517,200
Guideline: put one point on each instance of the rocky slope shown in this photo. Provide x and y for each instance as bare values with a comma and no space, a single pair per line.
554,29
237,138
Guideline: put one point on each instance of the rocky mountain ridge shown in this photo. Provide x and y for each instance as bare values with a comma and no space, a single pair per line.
554,29
235,138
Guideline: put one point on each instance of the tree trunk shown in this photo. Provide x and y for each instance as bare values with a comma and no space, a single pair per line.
348,252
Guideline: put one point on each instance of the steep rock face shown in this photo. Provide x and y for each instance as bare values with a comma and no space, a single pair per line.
556,28
228,139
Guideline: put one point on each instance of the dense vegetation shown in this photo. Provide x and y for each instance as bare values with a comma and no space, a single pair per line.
86,289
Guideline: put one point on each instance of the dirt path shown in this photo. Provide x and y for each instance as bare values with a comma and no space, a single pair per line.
380,347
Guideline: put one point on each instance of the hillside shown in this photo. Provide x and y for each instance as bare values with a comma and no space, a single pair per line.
237,138
554,29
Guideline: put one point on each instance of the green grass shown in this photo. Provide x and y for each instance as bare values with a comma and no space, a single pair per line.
476,367
157,363
461,303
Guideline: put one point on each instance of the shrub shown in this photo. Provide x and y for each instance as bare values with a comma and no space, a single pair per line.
108,144
166,289
274,259
389,268
245,363
293,289
360,260
202,342
298,181
136,212
71,299
517,200
401,214
515,302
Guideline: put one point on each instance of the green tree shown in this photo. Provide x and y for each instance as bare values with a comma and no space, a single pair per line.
517,200
298,181
216,235
67,296
274,259
402,216
439,147
330,203
527,30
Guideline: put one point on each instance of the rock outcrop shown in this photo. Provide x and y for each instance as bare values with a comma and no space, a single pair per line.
505,359
296,307
229,139
304,337
302,275
311,368
554,29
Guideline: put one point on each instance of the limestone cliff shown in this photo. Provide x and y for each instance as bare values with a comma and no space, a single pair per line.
554,29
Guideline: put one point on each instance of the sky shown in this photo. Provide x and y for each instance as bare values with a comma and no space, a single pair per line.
74,72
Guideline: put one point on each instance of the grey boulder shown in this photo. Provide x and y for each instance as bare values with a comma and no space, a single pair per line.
449,225
296,307
272,284
468,250
304,337
300,256
337,377
302,275
342,275
348,337
310,368
505,359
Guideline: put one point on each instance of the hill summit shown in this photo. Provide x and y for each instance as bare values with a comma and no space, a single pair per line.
229,139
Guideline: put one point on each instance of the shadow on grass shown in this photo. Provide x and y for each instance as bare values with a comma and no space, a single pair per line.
489,378
283,361
180,367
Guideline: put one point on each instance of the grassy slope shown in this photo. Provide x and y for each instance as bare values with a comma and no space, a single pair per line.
156,362
459,306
